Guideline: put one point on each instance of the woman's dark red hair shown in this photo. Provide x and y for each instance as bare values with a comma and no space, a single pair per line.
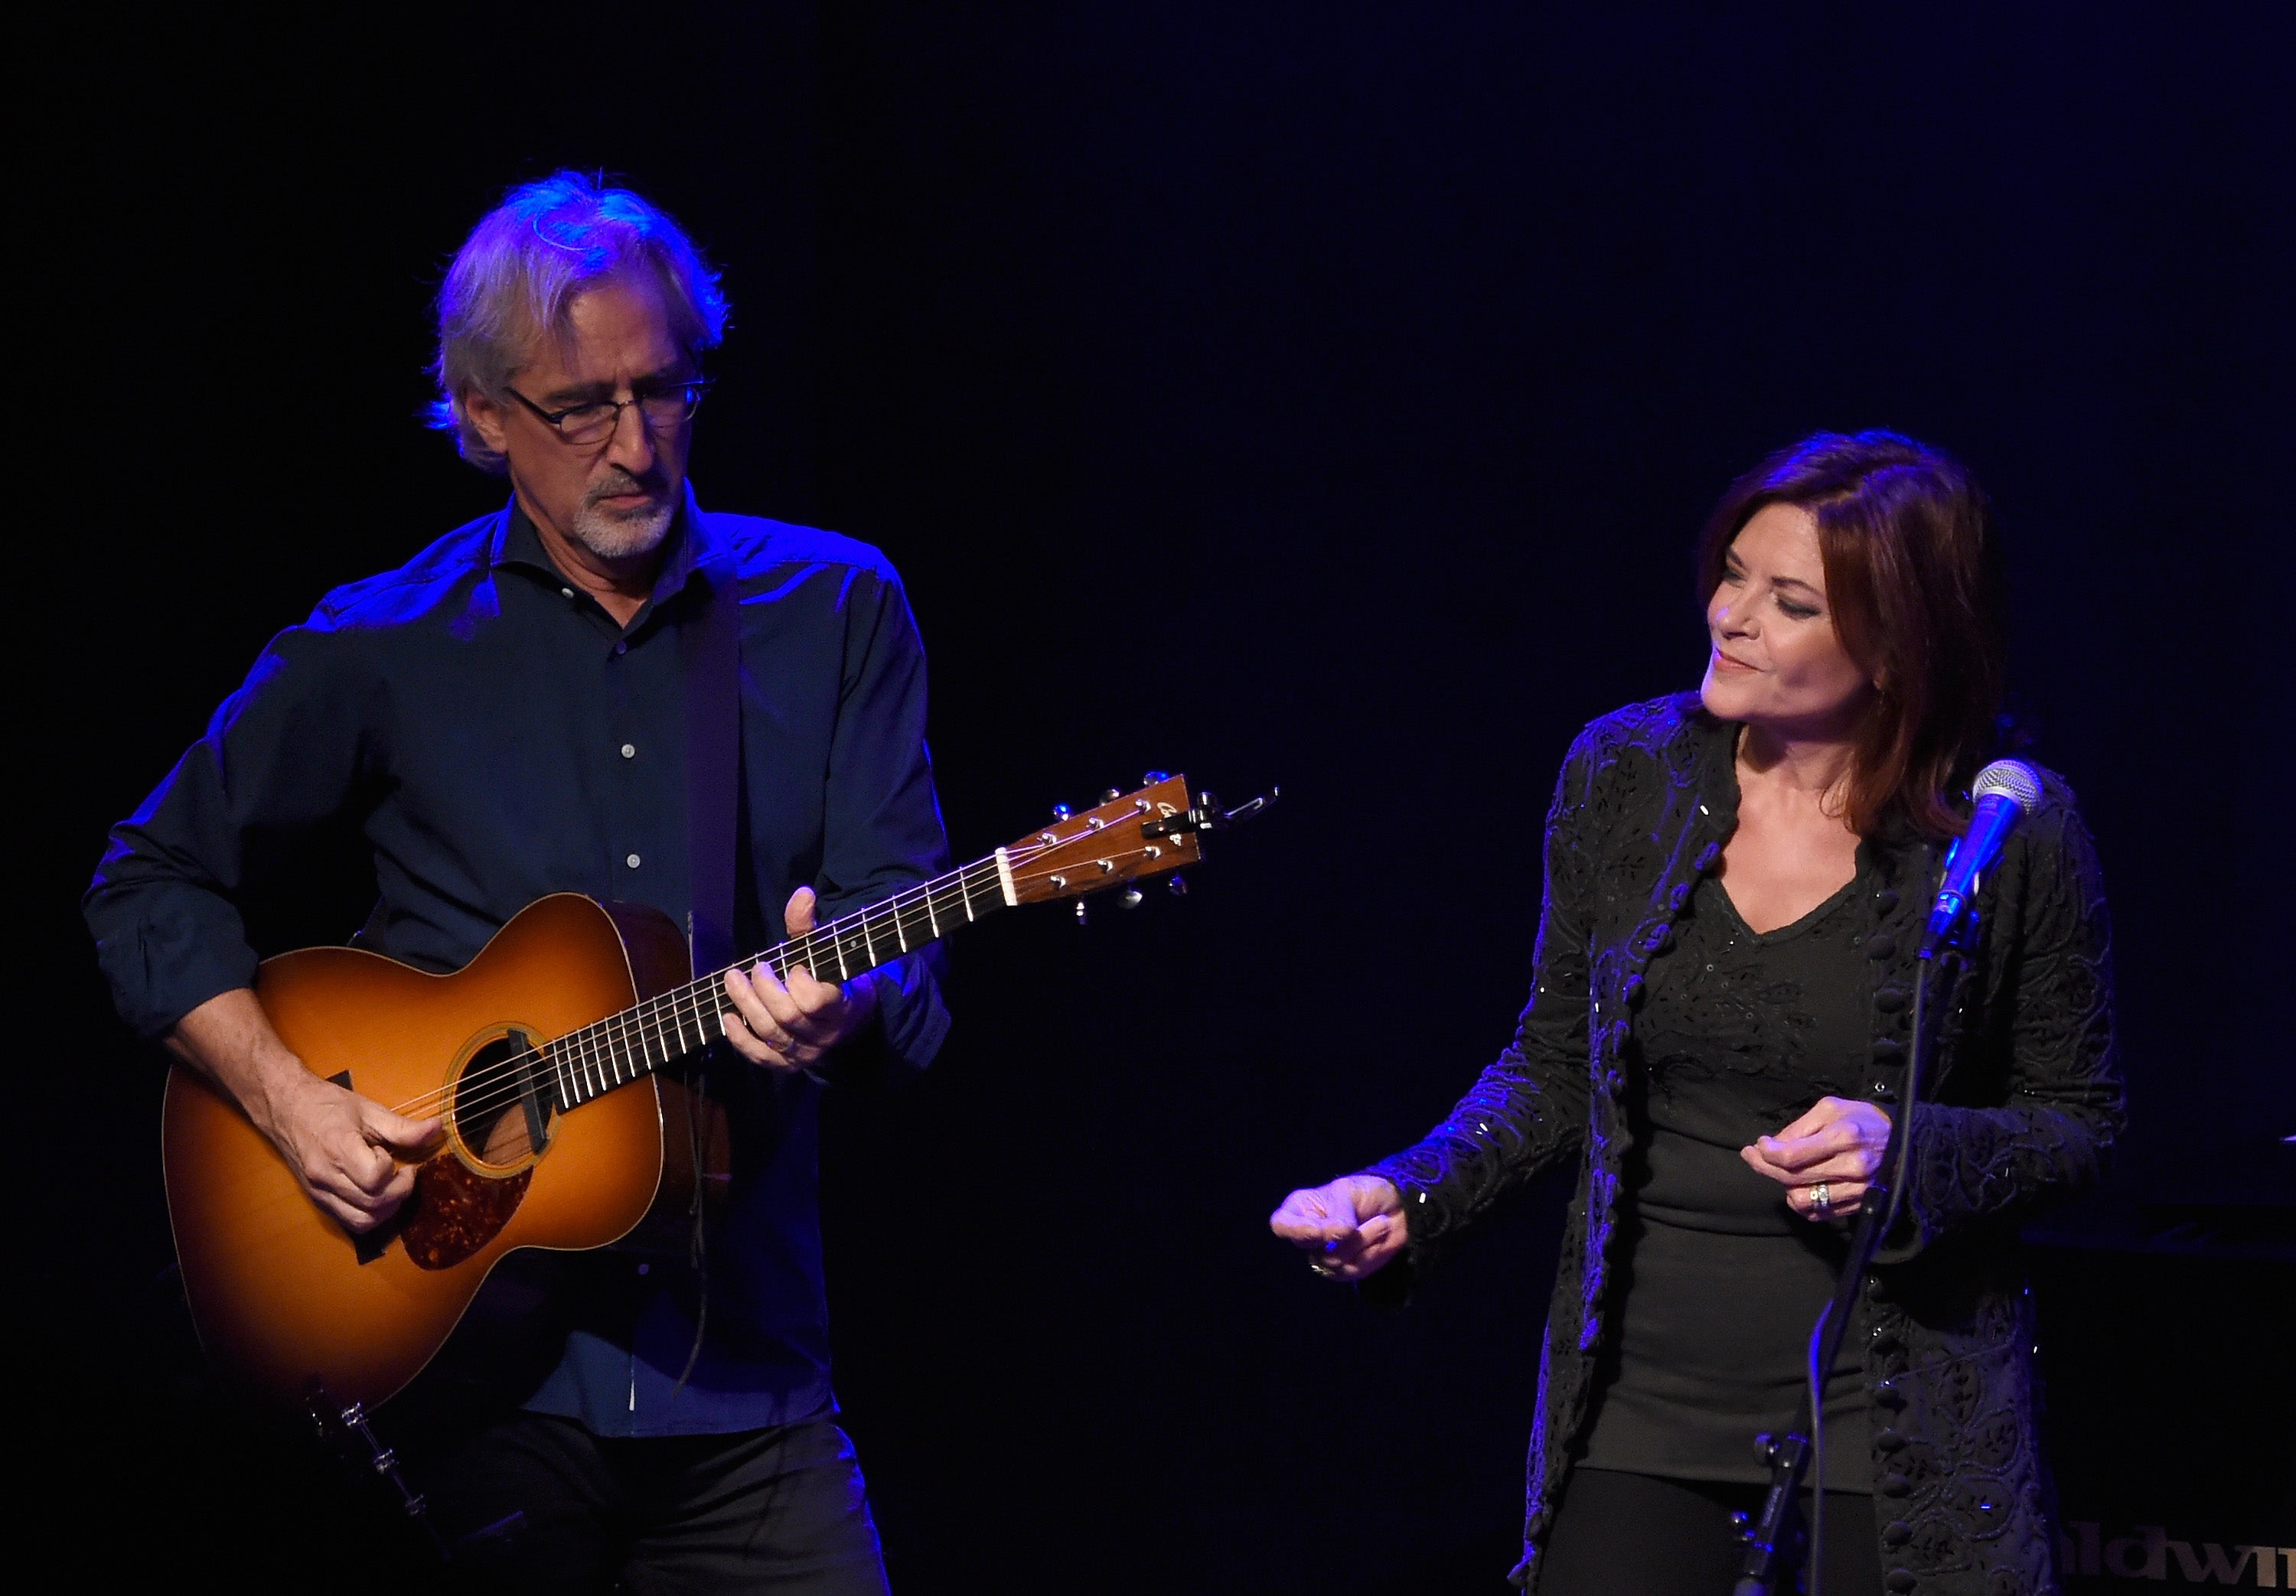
1914,579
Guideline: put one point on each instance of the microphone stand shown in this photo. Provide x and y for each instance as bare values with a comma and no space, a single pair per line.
1770,1552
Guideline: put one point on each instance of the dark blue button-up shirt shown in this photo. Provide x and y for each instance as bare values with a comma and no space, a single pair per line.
496,736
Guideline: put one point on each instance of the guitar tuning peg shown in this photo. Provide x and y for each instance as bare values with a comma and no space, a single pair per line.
1110,796
1061,811
1178,885
1154,776
1084,916
1130,897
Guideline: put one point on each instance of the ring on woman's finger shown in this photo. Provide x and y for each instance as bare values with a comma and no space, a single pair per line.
1324,1269
1821,1201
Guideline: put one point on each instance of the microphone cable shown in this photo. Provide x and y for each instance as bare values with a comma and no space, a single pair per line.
1813,1562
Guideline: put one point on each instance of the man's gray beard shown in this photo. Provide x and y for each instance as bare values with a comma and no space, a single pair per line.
612,537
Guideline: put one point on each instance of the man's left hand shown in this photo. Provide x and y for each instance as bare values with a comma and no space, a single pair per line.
1830,1152
786,1019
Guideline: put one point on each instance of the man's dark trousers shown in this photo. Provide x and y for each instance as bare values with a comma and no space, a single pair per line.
776,1510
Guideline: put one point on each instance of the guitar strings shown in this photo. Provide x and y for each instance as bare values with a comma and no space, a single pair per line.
606,1044
493,1090
614,1034
603,1046
501,1085
600,1050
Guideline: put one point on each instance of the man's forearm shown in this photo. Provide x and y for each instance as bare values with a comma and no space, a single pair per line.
357,1158
229,1040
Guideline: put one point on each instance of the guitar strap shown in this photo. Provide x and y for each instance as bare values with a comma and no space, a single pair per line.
709,643
710,646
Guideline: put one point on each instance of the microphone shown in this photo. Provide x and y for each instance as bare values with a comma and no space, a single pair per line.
2005,793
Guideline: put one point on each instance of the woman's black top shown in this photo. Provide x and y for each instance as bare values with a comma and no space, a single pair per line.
1720,1281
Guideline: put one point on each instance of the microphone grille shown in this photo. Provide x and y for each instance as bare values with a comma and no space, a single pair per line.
2013,780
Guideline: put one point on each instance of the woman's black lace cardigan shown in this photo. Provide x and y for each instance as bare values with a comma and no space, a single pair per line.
2023,1100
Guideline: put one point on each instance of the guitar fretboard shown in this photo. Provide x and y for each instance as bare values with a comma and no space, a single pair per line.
618,1050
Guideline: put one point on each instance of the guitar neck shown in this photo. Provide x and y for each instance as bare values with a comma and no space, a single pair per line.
614,1051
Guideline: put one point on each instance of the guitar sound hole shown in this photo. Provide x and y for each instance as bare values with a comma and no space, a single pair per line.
502,1109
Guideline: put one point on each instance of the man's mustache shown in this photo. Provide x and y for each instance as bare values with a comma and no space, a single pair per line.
622,482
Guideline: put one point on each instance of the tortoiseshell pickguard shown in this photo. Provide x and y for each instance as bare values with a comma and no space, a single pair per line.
456,1211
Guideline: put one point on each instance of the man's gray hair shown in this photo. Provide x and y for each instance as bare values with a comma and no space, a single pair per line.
517,273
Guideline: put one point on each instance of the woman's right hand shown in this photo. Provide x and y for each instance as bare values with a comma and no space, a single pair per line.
1348,1229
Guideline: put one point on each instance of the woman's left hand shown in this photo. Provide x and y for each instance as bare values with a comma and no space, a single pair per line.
1830,1154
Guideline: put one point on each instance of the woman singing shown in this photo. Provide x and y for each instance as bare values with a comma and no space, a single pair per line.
1719,1019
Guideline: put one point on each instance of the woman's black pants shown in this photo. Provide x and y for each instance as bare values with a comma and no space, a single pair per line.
1633,1535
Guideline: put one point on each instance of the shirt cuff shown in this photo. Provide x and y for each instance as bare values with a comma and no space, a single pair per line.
165,965
910,1012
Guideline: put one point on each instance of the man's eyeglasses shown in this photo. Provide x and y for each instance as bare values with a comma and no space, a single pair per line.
661,408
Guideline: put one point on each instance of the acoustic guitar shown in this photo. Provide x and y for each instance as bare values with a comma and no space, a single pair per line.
544,1057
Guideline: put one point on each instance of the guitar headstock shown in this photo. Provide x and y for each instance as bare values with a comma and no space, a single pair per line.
1123,839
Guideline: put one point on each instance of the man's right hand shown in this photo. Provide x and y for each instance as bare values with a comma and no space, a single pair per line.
346,1150
355,1157
1350,1229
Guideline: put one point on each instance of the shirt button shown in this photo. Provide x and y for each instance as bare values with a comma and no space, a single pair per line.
632,861
567,591
621,648
629,750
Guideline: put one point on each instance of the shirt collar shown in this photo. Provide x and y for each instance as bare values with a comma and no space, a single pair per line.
696,549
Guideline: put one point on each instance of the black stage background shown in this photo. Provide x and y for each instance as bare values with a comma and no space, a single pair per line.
1314,393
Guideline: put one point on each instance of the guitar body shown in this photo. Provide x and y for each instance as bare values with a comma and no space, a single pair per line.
284,1296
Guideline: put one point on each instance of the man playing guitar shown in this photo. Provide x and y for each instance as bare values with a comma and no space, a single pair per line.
510,715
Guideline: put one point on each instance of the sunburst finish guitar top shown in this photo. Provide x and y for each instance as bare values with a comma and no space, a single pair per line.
269,1275
542,1056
